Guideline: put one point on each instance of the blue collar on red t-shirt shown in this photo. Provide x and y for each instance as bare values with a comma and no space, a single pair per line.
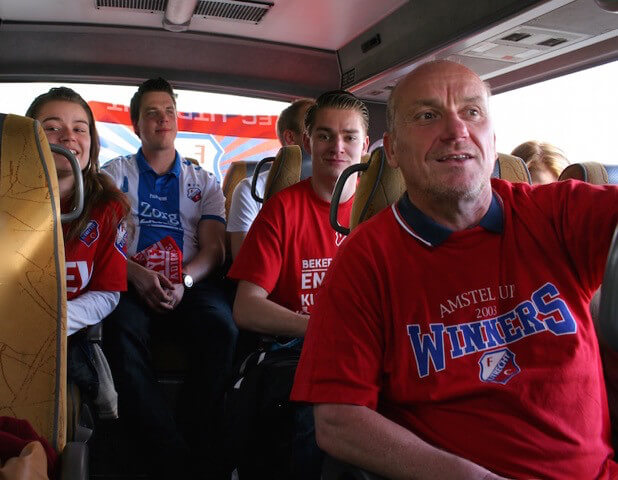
143,166
419,225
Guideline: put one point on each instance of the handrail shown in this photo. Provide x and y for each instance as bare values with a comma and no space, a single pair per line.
256,173
78,198
334,203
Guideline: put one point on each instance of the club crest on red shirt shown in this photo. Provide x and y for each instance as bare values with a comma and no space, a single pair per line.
122,235
498,366
90,233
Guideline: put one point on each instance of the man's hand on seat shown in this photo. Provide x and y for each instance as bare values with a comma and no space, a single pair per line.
153,288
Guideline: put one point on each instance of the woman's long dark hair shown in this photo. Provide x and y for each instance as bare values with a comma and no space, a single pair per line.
98,187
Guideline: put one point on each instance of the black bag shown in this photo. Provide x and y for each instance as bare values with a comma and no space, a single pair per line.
81,369
259,417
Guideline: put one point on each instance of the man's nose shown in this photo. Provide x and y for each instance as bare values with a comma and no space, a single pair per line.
338,143
455,127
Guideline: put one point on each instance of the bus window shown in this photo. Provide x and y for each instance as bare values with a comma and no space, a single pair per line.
215,129
574,112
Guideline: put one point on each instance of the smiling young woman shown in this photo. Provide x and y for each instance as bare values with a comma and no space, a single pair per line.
95,256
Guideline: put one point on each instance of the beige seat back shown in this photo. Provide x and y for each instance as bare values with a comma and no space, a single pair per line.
235,173
32,282
591,172
511,168
378,187
285,170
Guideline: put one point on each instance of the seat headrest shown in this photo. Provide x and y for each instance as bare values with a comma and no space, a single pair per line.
511,168
591,172
285,170
379,186
235,173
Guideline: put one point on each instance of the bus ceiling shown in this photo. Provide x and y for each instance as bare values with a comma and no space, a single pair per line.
282,50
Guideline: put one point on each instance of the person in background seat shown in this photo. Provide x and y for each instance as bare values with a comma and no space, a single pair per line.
290,245
171,197
545,162
94,243
244,208
452,336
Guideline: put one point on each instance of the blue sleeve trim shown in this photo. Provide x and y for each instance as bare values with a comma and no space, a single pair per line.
213,217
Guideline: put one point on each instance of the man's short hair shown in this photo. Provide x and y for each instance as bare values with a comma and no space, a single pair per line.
289,117
151,85
339,99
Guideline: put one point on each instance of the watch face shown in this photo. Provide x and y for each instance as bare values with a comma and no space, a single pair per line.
187,280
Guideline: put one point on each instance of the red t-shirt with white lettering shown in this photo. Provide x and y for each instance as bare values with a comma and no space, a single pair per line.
96,259
290,245
481,345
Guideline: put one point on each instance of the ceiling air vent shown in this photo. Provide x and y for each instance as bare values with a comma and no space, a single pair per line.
347,79
151,6
237,11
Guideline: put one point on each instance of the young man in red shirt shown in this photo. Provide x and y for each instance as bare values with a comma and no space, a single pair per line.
282,261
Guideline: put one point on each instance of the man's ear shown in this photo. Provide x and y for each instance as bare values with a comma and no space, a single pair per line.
136,130
307,143
389,150
366,145
288,137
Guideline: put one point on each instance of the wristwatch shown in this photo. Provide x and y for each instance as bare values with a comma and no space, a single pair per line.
187,280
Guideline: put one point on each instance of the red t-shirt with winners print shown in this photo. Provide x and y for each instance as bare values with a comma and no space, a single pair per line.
290,246
96,259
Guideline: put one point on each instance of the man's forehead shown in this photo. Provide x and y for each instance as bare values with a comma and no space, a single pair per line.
334,117
441,84
156,98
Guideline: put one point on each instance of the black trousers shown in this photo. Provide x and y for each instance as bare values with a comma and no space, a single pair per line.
203,324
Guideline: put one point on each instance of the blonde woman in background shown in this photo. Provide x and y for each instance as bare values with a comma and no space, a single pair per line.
544,161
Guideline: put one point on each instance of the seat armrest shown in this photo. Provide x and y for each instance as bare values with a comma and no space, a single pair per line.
74,461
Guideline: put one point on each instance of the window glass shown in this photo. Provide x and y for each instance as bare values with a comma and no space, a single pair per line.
215,129
576,113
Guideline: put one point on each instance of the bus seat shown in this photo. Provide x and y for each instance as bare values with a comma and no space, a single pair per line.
591,172
284,172
511,168
33,340
235,173
379,186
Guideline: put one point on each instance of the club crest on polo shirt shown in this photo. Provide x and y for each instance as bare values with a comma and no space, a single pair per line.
122,236
90,233
194,192
498,366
